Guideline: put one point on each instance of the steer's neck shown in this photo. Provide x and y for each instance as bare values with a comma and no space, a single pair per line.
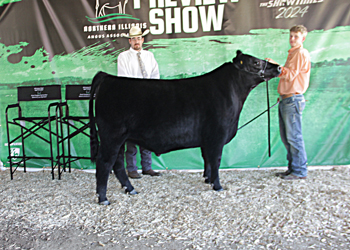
245,84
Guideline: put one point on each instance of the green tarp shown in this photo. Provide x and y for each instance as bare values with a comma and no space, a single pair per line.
52,44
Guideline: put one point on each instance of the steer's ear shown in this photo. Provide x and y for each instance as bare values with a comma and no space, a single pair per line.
239,53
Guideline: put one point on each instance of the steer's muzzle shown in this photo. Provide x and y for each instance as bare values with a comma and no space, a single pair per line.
273,71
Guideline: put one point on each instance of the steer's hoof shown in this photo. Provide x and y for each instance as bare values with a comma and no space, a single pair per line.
206,180
132,192
106,202
218,189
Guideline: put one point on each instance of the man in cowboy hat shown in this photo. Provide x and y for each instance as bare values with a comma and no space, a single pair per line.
137,63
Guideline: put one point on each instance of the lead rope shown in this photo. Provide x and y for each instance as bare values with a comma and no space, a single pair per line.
268,118
268,113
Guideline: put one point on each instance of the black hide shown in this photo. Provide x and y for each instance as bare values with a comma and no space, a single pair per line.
167,115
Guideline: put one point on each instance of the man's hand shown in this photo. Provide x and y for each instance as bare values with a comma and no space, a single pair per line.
271,61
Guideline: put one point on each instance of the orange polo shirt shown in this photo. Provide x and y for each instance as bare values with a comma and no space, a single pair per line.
295,76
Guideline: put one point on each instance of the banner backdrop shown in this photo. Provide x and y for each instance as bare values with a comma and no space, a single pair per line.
67,42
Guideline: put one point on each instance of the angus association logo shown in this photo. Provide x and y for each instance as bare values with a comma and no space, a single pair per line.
105,24
109,10
101,10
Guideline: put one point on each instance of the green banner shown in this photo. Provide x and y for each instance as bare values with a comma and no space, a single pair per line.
67,42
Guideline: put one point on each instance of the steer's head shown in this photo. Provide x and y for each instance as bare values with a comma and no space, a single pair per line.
256,67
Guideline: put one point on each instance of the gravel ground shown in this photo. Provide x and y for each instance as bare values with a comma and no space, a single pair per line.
177,211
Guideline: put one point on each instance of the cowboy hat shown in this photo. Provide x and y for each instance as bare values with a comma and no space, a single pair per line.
135,32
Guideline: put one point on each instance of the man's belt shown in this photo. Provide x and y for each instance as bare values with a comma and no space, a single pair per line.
289,95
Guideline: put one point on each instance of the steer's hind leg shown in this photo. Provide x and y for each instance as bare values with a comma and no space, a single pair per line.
119,171
108,154
103,168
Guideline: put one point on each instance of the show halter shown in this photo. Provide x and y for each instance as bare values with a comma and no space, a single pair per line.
260,73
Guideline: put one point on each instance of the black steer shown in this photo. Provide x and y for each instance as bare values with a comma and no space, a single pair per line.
167,115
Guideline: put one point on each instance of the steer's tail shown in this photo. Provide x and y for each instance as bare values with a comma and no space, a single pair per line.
94,143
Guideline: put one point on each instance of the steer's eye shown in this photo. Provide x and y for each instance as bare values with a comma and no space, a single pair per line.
257,63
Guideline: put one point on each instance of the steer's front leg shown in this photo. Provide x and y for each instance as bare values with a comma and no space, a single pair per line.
207,172
212,159
215,180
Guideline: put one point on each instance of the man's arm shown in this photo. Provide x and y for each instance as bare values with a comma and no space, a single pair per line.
301,65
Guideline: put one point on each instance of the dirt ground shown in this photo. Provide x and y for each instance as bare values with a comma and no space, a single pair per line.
177,211
26,238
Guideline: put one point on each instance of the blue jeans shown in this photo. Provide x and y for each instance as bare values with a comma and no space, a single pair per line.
130,155
290,116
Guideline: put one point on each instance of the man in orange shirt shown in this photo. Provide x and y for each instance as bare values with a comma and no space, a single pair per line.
294,81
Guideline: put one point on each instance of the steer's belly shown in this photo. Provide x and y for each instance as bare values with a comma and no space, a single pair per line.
165,140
